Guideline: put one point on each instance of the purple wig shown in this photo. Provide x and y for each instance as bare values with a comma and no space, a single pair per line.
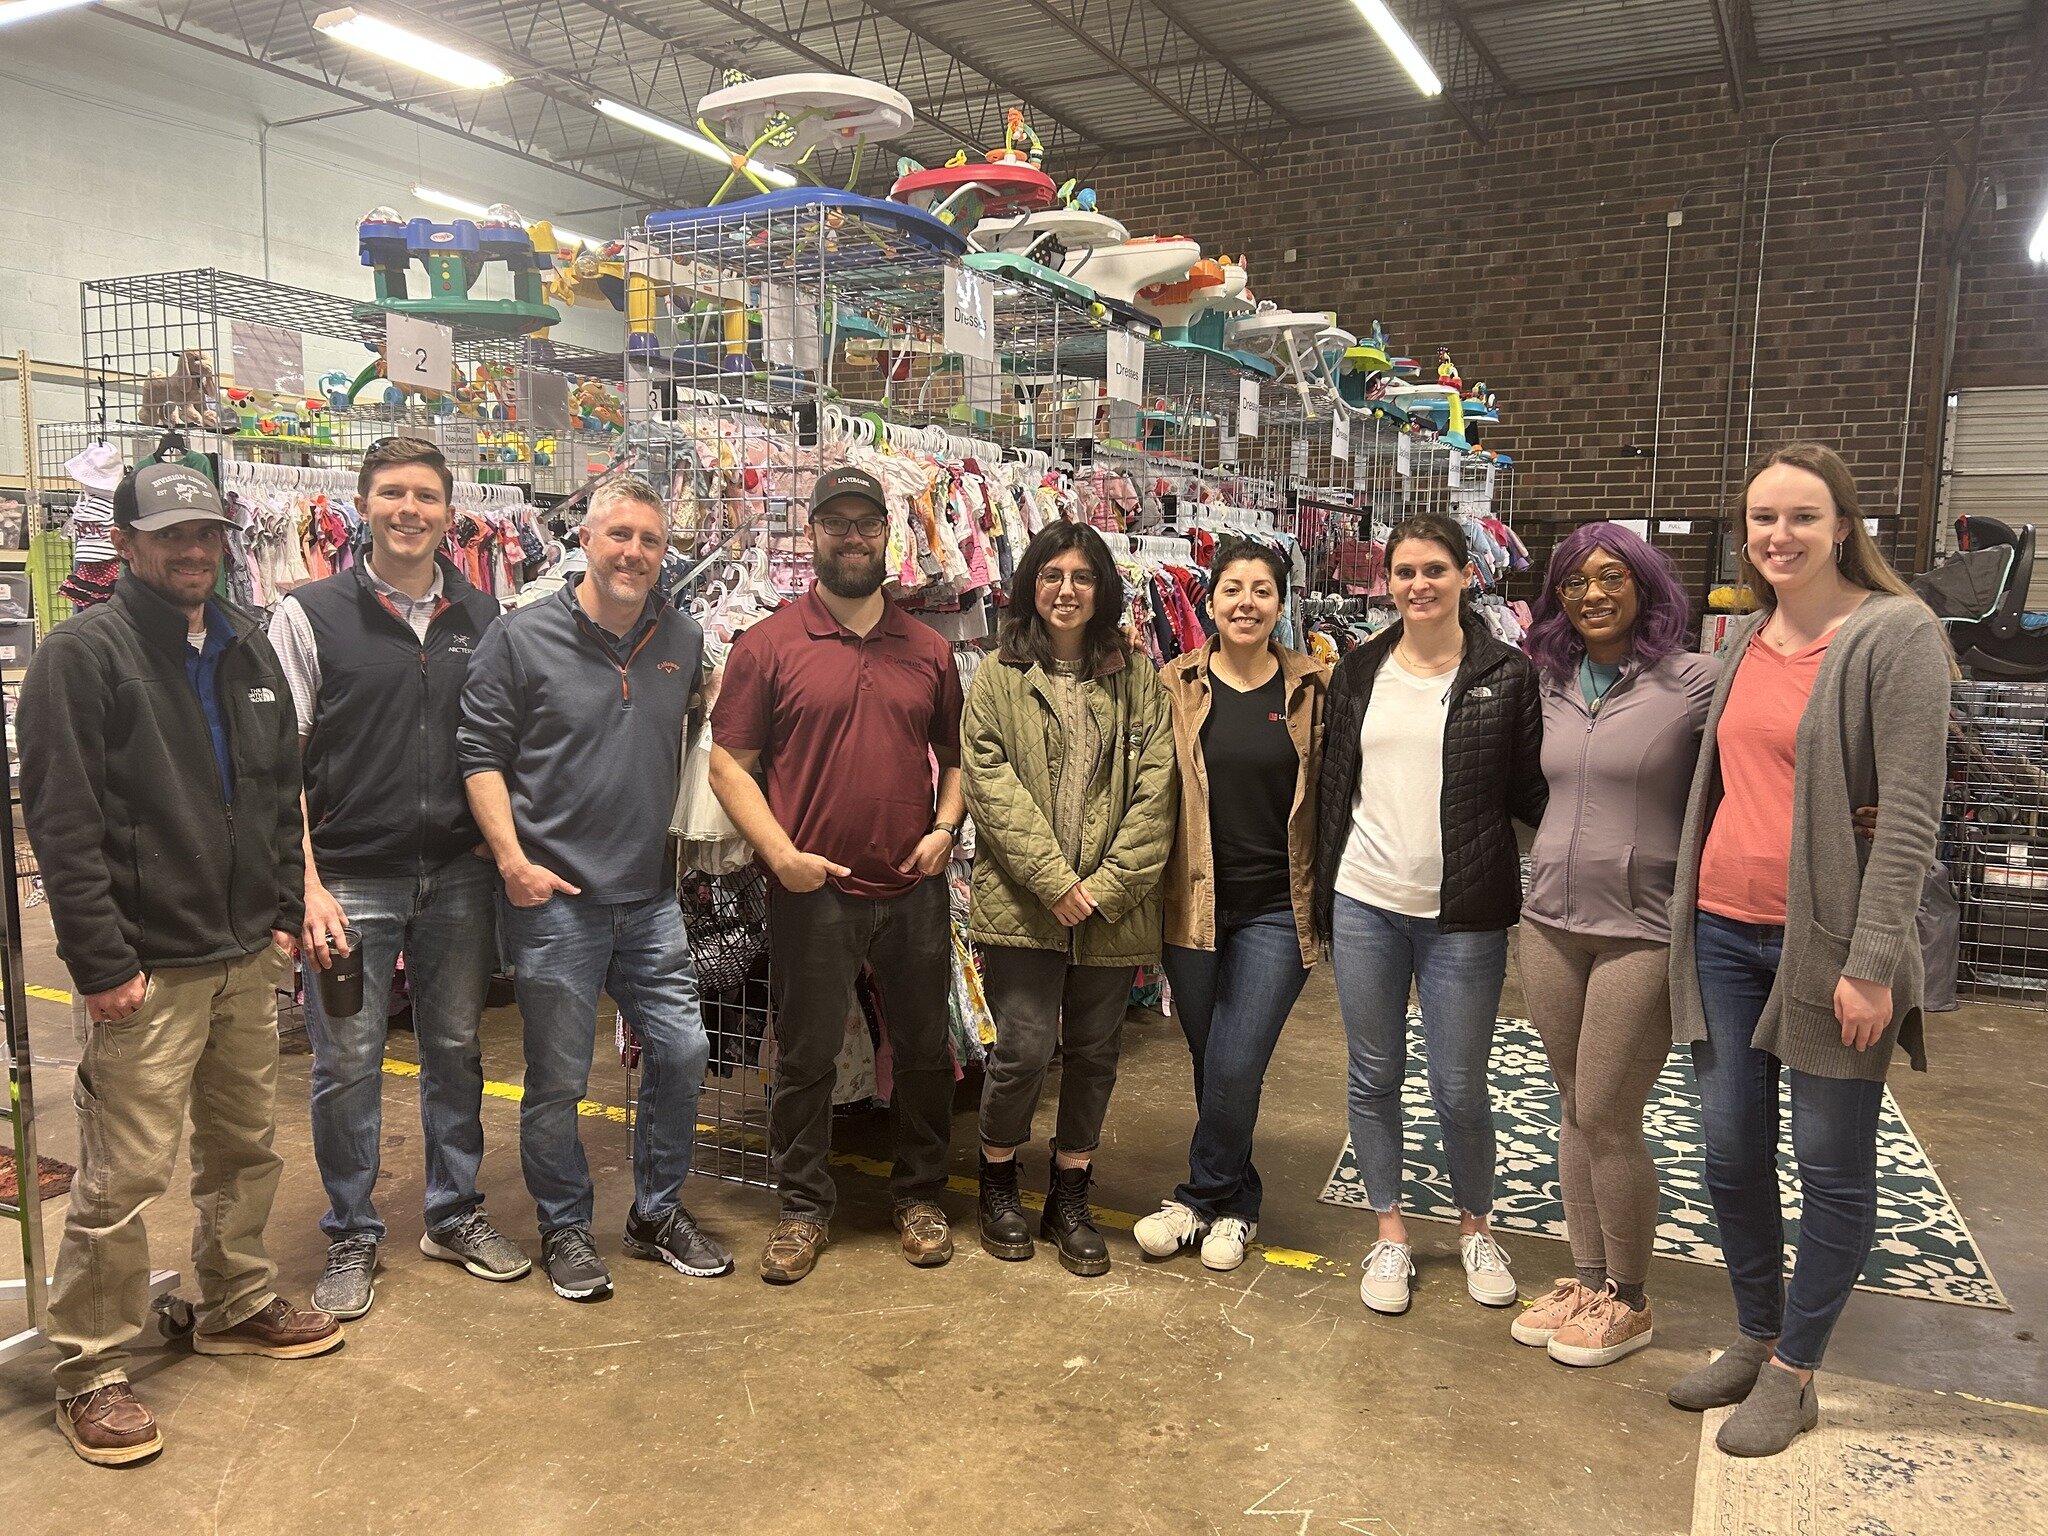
1662,611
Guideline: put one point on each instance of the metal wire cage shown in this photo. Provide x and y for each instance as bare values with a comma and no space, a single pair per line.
1995,839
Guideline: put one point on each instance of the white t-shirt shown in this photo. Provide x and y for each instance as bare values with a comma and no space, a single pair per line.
1394,857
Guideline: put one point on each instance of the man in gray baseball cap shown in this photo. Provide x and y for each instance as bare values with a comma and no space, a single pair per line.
160,786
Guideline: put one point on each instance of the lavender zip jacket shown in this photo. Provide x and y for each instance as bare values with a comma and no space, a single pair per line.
1606,855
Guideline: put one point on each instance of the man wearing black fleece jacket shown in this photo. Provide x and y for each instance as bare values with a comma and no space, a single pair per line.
160,784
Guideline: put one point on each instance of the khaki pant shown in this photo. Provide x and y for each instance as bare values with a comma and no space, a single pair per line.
205,1036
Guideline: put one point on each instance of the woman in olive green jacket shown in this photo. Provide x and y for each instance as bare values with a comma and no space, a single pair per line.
1067,760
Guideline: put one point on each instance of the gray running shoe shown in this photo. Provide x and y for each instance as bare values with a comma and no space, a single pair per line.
574,1269
677,1241
478,1247
345,1288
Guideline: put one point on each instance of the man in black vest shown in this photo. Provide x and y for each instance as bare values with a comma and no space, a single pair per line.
376,658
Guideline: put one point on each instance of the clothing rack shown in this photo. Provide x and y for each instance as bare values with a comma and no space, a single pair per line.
326,480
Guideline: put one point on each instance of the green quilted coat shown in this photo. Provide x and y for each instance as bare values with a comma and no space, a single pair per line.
1009,762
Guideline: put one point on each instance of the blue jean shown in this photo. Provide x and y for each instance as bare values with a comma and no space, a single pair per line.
1834,1139
442,923
1232,1002
565,952
1458,977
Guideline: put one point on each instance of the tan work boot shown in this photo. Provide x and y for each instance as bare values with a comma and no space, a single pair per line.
792,1251
108,1426
927,1237
280,1332
1549,1313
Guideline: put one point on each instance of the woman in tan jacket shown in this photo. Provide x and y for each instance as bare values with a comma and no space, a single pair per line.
1240,935
1067,762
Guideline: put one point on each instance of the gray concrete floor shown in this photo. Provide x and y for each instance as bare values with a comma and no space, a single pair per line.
986,1396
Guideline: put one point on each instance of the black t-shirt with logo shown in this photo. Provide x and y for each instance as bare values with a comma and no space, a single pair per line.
1252,766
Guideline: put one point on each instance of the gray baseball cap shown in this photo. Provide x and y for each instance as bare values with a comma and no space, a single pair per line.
164,495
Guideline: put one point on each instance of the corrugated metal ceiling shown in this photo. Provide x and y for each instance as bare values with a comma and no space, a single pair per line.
1094,75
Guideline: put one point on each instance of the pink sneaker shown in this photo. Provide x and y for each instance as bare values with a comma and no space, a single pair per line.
1602,1334
1549,1313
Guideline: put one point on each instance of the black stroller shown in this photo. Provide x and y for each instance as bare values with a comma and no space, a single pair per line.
1980,595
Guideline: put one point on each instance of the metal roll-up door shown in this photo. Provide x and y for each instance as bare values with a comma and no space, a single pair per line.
1996,465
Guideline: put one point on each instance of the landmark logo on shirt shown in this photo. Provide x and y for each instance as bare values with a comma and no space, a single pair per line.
262,696
1275,716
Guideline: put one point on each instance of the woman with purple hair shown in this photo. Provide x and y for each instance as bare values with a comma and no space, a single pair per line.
1624,705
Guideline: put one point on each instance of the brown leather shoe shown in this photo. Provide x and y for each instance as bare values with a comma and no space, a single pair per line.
280,1331
108,1426
927,1239
792,1251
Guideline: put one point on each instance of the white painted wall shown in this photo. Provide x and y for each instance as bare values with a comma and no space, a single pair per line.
121,153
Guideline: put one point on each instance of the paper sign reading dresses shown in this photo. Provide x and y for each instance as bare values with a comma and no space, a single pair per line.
1297,458
418,352
970,315
1247,407
1226,452
1126,367
1404,454
1340,435
1457,470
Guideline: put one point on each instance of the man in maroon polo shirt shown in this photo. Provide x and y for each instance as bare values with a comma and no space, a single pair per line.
840,702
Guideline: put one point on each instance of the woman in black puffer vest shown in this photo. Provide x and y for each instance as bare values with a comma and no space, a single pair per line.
1434,740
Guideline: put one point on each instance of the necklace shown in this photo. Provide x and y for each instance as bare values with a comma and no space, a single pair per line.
1425,669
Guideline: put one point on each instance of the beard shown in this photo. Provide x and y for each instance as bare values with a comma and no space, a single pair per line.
850,580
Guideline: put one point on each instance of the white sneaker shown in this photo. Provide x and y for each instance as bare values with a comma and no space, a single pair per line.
1169,1229
1223,1248
1487,1276
1388,1269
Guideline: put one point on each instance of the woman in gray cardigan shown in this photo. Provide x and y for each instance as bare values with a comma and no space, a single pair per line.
1793,948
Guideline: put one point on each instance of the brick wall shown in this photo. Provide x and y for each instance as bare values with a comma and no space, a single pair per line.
1540,262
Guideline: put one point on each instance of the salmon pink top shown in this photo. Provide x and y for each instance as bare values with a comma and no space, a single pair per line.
1744,867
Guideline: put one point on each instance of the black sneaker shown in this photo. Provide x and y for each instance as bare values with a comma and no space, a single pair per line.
574,1269
677,1241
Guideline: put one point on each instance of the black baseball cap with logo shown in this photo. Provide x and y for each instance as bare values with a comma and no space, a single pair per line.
164,495
857,484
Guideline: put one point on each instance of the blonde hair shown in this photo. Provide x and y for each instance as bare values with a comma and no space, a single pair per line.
1862,563
622,488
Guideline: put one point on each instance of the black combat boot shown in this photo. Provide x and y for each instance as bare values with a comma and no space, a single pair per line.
1069,1226
1004,1231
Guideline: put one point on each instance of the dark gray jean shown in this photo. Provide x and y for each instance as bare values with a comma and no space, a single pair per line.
820,939
1039,1001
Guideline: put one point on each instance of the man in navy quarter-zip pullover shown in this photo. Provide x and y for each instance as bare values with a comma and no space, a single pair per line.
160,785
376,657
571,740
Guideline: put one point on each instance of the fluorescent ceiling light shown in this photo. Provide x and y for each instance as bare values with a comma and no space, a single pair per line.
695,143
2037,248
453,204
29,10
473,210
416,53
1400,45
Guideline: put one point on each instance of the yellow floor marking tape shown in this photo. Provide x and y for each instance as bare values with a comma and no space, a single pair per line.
1123,1221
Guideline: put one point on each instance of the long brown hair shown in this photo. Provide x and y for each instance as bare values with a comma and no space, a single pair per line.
1862,562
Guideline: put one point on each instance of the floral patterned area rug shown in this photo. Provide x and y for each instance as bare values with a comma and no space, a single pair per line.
1923,1249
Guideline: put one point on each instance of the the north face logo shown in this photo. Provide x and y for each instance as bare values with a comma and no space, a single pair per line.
262,696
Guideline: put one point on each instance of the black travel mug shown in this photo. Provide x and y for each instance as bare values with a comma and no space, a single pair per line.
341,984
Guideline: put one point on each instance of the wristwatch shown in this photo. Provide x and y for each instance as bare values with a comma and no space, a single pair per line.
950,828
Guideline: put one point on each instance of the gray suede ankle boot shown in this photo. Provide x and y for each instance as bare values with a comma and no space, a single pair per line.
1724,1381
1777,1411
